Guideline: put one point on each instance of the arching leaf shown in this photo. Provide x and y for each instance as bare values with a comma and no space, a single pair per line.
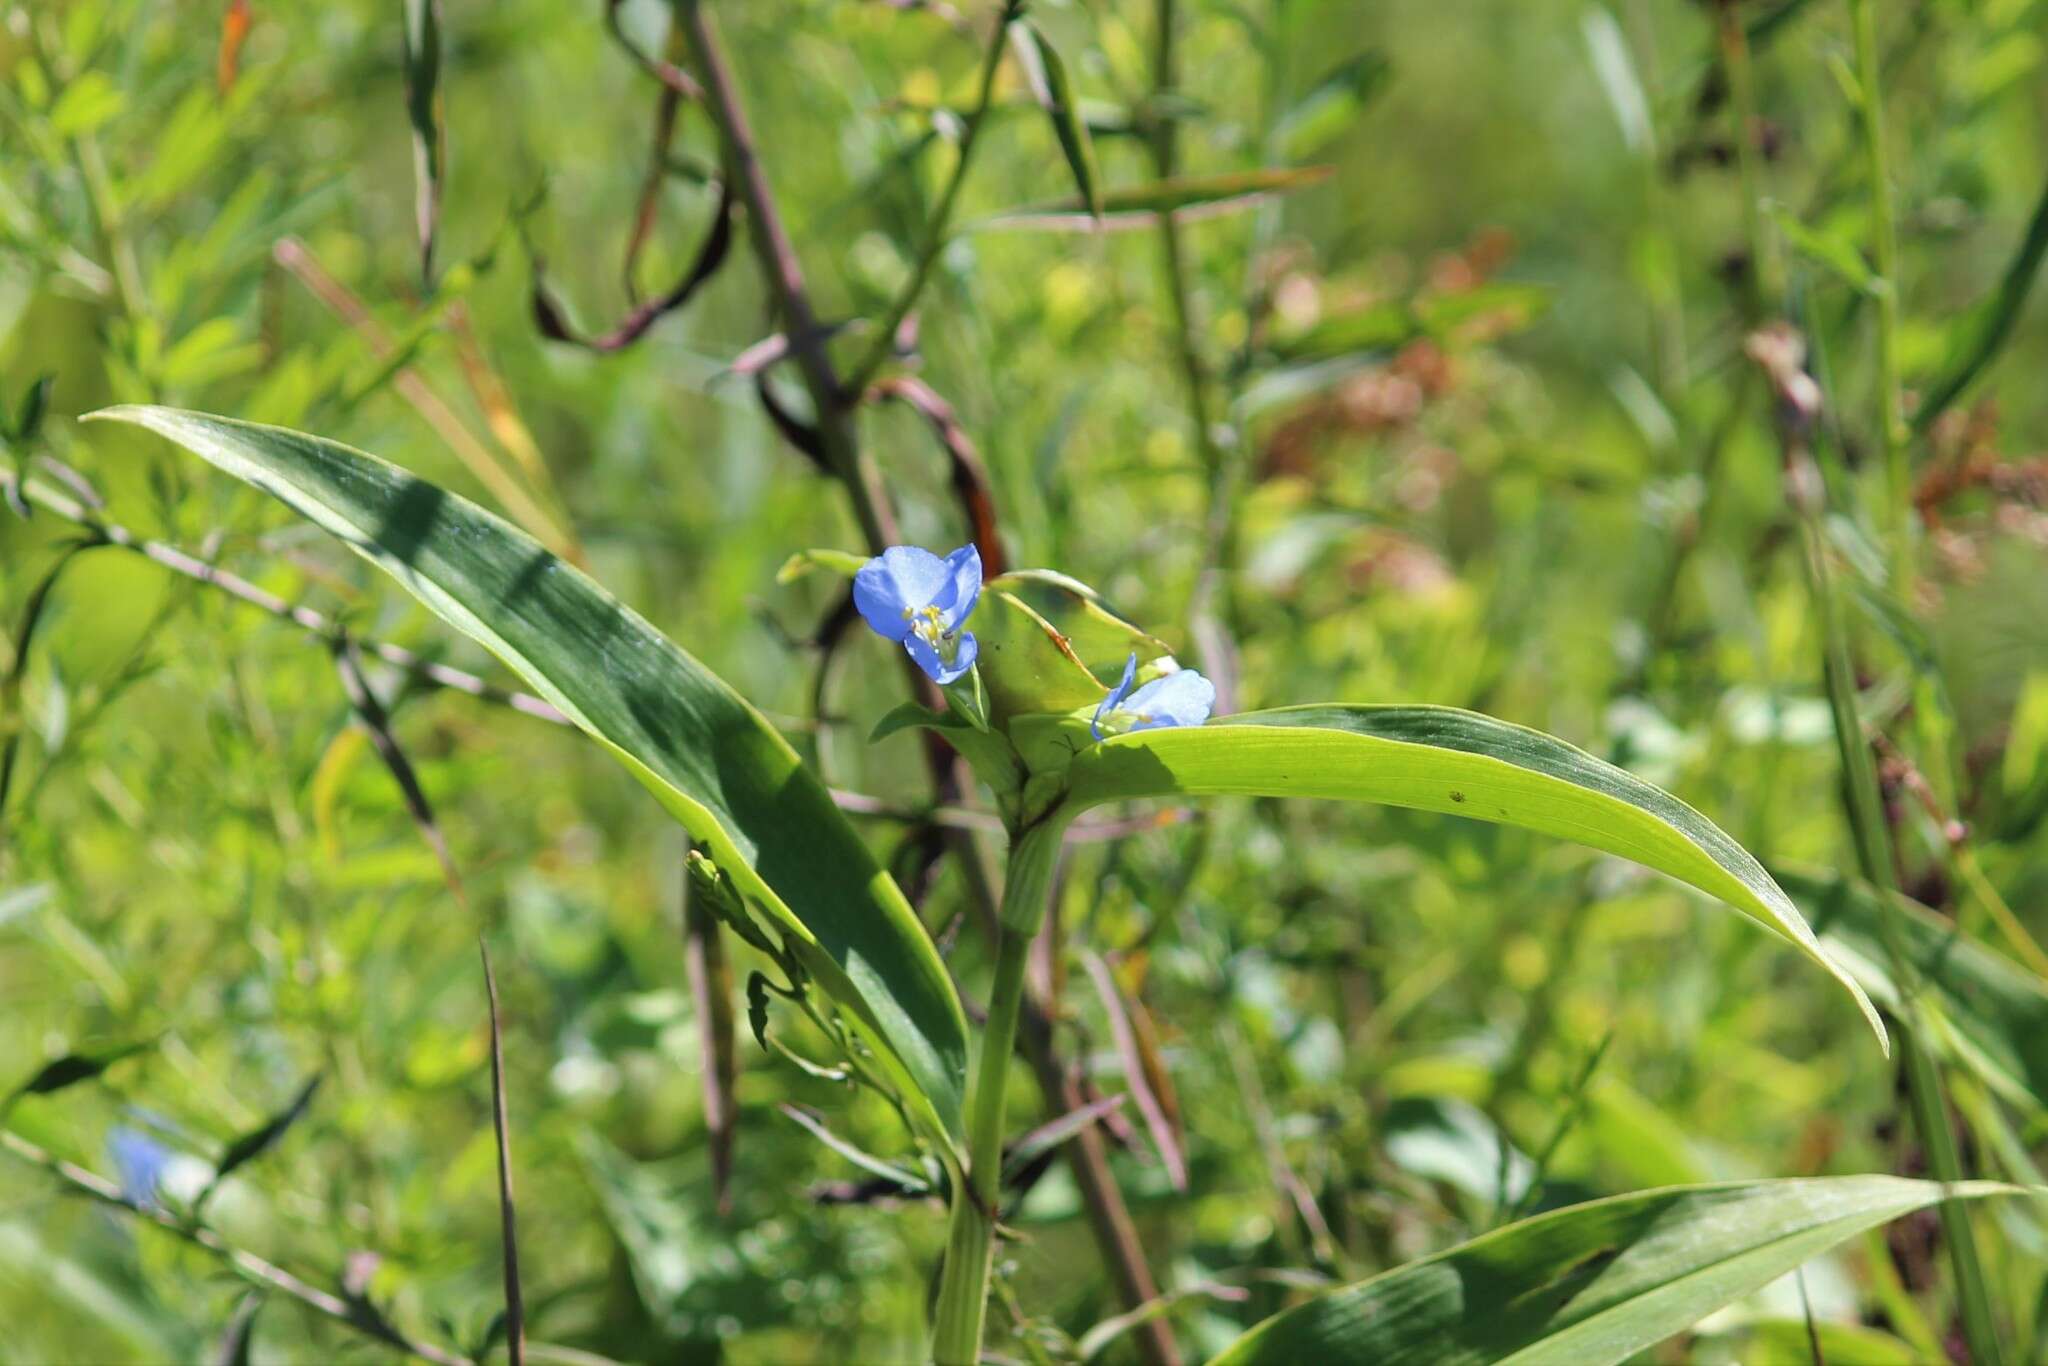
707,755
1461,763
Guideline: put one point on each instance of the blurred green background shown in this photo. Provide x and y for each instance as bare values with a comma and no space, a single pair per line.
1361,1007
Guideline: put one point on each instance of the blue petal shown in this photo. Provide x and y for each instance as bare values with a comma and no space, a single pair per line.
1184,698
901,578
963,587
1116,695
139,1160
965,651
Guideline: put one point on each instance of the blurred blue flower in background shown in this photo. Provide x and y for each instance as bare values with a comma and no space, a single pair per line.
913,596
139,1161
1181,698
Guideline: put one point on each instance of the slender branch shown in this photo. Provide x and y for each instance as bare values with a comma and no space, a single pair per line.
357,1314
1781,355
1208,607
501,1129
942,215
36,492
1767,272
677,81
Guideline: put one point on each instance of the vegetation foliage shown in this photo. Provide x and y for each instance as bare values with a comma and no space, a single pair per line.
1451,502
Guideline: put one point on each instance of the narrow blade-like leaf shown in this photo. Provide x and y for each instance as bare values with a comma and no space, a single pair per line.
1330,106
1048,74
707,755
1592,1284
73,1068
260,1140
1460,763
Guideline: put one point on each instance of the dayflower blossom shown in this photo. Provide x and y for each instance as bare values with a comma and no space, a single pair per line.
913,596
139,1160
1181,698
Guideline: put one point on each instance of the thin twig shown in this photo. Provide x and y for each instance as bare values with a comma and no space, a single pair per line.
710,978
677,81
300,615
1209,607
1126,1038
356,1314
515,1303
942,215
362,698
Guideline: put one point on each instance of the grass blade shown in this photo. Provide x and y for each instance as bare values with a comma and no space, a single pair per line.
1048,77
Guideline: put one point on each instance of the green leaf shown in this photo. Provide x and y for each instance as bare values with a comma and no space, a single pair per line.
1138,205
1983,331
1830,249
1095,633
1592,1284
86,104
841,562
990,754
1993,1013
1330,107
1026,663
74,1068
708,756
1048,77
1841,1344
1459,763
814,1124
260,1140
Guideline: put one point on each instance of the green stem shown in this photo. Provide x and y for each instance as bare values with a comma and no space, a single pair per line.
1208,608
1923,1079
1874,857
942,216
970,1246
1885,248
1768,274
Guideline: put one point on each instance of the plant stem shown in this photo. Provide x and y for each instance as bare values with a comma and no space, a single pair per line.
1923,1079
1766,270
970,1248
1891,416
1874,857
942,215
1208,610
784,274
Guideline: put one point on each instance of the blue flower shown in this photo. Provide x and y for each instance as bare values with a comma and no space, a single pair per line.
1181,698
913,596
139,1160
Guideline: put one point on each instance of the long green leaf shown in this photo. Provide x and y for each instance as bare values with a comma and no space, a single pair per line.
711,759
1330,107
1049,83
1592,1284
1460,763
1985,328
